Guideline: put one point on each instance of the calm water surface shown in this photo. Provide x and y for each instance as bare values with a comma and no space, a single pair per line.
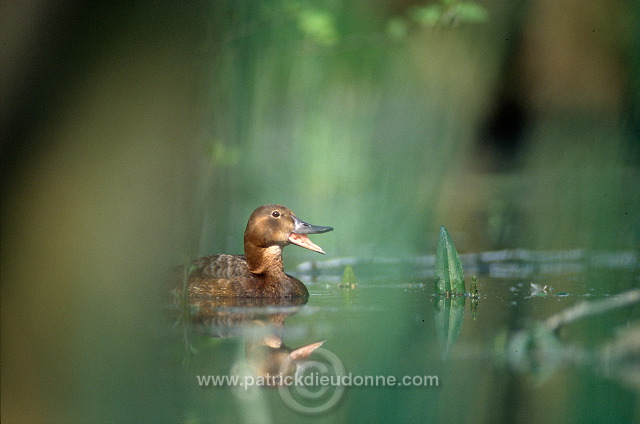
427,359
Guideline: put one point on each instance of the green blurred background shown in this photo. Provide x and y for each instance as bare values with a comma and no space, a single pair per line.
138,134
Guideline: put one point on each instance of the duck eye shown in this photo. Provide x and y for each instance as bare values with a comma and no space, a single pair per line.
275,214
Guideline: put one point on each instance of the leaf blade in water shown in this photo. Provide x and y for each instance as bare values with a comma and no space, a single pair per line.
449,277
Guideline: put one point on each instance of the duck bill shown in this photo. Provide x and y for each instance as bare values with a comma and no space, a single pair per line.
299,234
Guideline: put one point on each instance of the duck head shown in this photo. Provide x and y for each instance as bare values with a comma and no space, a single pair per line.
276,225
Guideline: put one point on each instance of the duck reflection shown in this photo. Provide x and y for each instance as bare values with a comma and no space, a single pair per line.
260,322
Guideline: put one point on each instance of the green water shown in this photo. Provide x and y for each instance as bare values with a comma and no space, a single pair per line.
387,327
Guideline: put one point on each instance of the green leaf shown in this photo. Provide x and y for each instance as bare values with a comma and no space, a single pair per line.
428,15
318,25
470,12
449,278
349,280
473,291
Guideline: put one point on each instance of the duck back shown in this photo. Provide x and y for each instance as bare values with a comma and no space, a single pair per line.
229,276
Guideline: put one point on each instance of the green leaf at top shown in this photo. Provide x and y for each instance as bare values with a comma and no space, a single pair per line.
427,16
471,12
449,277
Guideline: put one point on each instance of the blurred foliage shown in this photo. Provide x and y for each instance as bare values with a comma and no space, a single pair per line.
360,116
450,13
349,116
318,25
223,155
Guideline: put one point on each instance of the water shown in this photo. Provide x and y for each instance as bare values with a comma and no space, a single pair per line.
405,355
146,134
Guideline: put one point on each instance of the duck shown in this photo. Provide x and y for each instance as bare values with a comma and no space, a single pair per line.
259,273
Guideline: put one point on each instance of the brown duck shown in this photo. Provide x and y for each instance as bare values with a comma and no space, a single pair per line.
259,272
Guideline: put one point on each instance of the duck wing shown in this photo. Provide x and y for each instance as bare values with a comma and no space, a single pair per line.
225,267
220,275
